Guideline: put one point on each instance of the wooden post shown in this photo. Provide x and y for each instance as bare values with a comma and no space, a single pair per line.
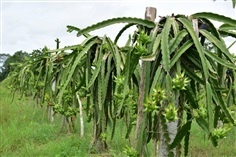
58,42
150,14
195,26
54,82
50,108
81,115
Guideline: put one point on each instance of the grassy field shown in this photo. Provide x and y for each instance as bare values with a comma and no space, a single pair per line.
26,132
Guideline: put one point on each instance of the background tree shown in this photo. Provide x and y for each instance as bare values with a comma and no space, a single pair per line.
3,58
8,62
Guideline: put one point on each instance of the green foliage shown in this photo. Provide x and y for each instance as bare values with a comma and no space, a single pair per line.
170,113
214,16
122,31
181,134
220,133
130,152
181,73
180,82
105,23
164,45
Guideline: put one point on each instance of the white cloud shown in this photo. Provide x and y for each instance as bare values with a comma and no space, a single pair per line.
32,25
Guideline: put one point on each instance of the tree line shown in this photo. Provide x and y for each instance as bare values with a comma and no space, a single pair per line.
8,62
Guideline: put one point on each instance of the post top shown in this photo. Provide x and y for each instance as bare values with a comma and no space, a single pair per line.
150,13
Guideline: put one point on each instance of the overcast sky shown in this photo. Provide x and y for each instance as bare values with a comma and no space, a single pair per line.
29,25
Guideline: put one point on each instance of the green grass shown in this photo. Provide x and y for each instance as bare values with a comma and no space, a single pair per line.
25,132
201,146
